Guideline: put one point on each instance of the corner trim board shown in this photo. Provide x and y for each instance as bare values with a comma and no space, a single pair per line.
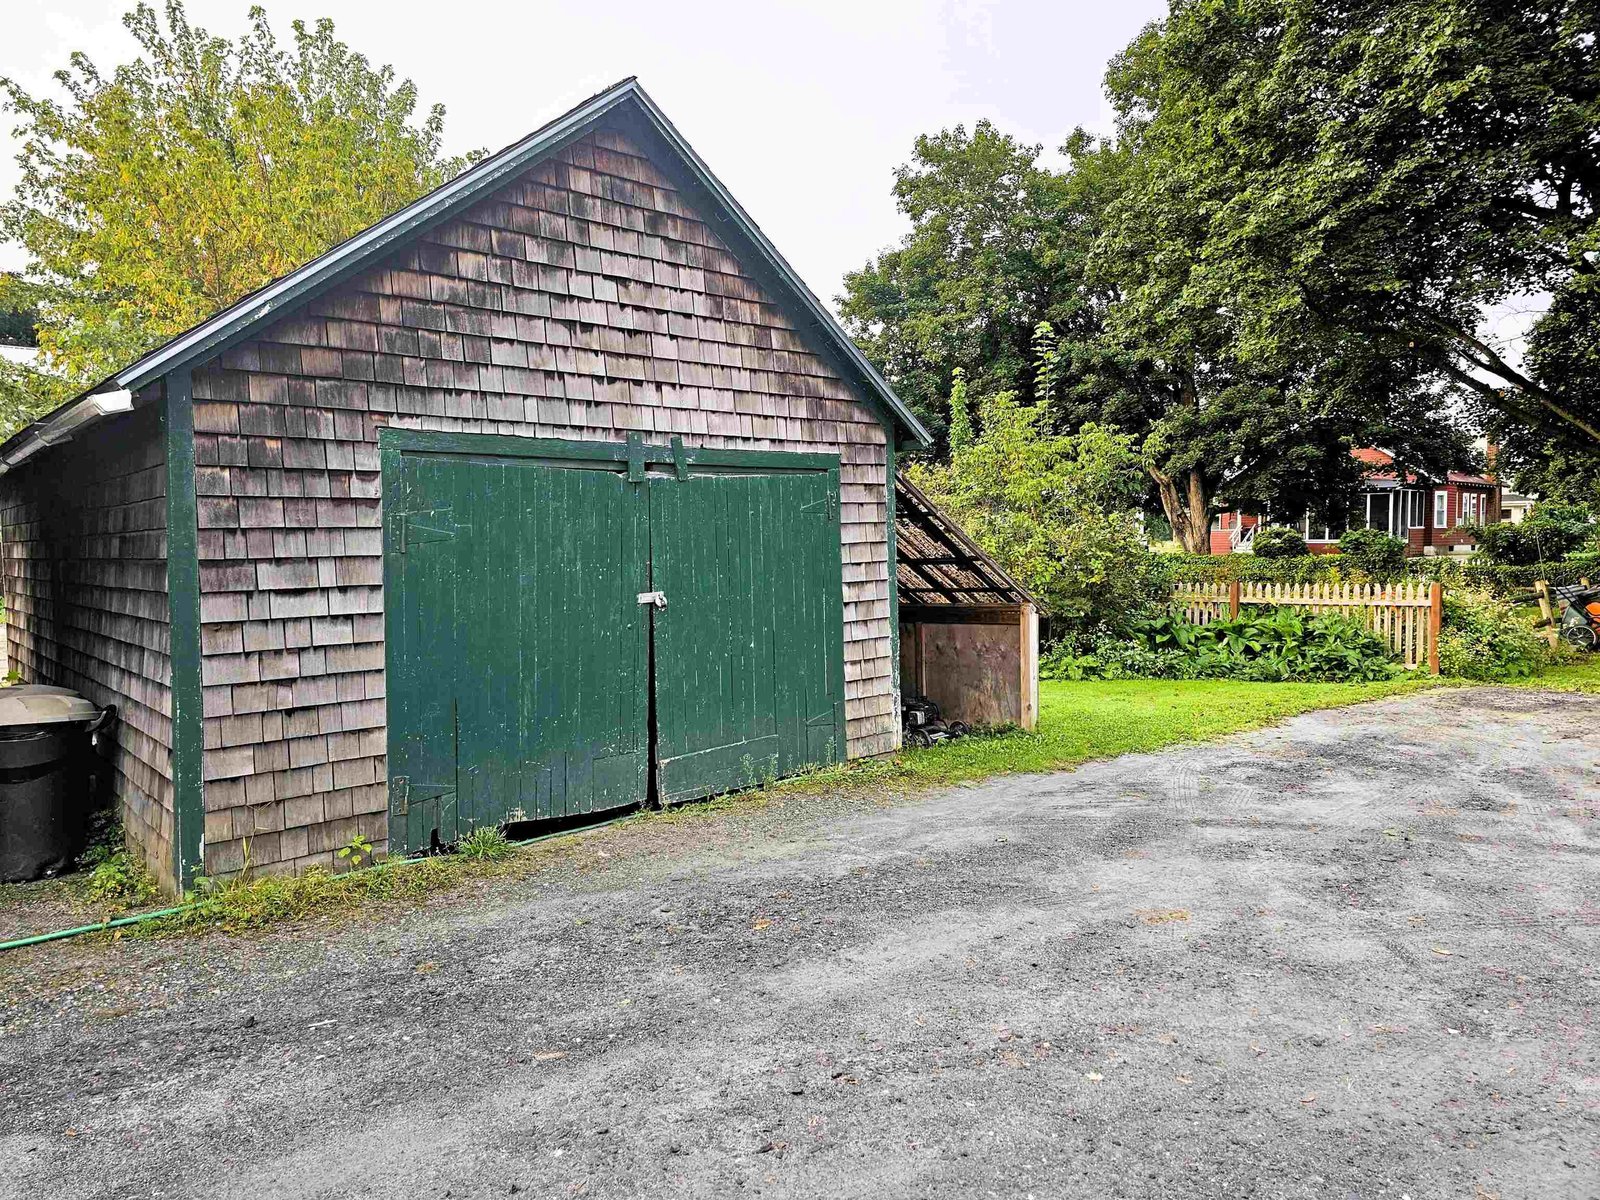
183,599
890,466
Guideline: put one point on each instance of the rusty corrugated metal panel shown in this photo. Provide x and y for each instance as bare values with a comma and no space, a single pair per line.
937,563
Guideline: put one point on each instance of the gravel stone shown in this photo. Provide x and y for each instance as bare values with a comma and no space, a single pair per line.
1353,955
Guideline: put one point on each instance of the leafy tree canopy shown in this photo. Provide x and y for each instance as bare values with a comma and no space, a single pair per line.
1383,170
17,314
1284,250
977,272
156,195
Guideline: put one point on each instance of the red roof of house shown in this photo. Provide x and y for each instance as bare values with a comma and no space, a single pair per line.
1379,459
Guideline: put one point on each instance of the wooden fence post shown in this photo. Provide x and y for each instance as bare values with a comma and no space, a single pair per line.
1233,599
1435,624
1541,588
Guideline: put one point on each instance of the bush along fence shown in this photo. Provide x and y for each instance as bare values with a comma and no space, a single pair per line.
1498,579
1406,615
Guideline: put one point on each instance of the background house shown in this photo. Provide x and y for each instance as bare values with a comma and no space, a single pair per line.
1432,516
1514,506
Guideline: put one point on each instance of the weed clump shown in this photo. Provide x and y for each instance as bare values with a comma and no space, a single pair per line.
484,844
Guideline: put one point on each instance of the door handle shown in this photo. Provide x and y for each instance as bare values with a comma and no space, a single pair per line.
658,599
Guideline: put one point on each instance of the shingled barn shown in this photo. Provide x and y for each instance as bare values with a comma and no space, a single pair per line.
553,493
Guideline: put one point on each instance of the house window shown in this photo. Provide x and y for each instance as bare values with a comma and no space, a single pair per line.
1379,505
1472,508
1441,509
1317,531
1416,503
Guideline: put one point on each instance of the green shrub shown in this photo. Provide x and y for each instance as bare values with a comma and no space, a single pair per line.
1374,553
1107,654
1059,512
1264,644
1549,533
1249,568
1501,579
1484,638
1450,570
1278,541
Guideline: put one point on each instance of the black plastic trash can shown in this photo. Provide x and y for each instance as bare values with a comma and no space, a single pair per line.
46,743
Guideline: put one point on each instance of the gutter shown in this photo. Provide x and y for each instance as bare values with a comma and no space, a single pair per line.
62,426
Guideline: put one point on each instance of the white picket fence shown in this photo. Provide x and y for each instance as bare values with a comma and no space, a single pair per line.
1405,615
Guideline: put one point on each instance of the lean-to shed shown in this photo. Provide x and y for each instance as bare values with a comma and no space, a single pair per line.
968,631
551,492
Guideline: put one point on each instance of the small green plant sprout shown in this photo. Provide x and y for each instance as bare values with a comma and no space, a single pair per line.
121,881
483,844
748,762
357,851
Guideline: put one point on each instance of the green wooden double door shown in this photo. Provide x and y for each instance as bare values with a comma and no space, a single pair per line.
572,628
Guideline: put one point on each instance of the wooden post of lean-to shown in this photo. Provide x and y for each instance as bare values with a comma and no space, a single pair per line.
1435,623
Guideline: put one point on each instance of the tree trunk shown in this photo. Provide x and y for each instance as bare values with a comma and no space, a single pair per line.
1183,499
1183,493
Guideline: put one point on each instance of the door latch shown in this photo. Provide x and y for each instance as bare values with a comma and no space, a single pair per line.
658,599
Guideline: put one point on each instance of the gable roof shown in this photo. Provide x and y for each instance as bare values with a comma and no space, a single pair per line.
625,103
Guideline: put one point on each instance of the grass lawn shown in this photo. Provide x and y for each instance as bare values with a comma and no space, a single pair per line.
1089,720
1583,675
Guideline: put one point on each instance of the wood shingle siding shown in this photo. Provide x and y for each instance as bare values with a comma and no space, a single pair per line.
85,579
585,299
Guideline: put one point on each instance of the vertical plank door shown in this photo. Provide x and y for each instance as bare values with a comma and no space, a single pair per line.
749,661
517,650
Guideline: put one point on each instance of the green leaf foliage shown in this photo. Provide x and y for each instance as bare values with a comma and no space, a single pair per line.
1356,180
979,270
18,314
1378,555
1548,533
1452,571
1058,512
1278,541
1263,644
1129,290
1484,638
157,194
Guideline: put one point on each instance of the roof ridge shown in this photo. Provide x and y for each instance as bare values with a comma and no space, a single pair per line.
217,332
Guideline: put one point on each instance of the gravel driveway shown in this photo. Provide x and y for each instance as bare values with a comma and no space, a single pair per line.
1353,955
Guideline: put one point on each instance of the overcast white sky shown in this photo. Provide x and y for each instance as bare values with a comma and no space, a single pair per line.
803,109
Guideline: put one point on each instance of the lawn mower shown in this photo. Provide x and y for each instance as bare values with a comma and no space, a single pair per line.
922,724
1580,620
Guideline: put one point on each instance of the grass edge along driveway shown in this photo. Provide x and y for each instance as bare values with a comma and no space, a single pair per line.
1084,721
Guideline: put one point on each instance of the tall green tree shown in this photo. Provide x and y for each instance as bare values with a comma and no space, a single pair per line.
976,273
1079,301
1381,171
1227,417
155,195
